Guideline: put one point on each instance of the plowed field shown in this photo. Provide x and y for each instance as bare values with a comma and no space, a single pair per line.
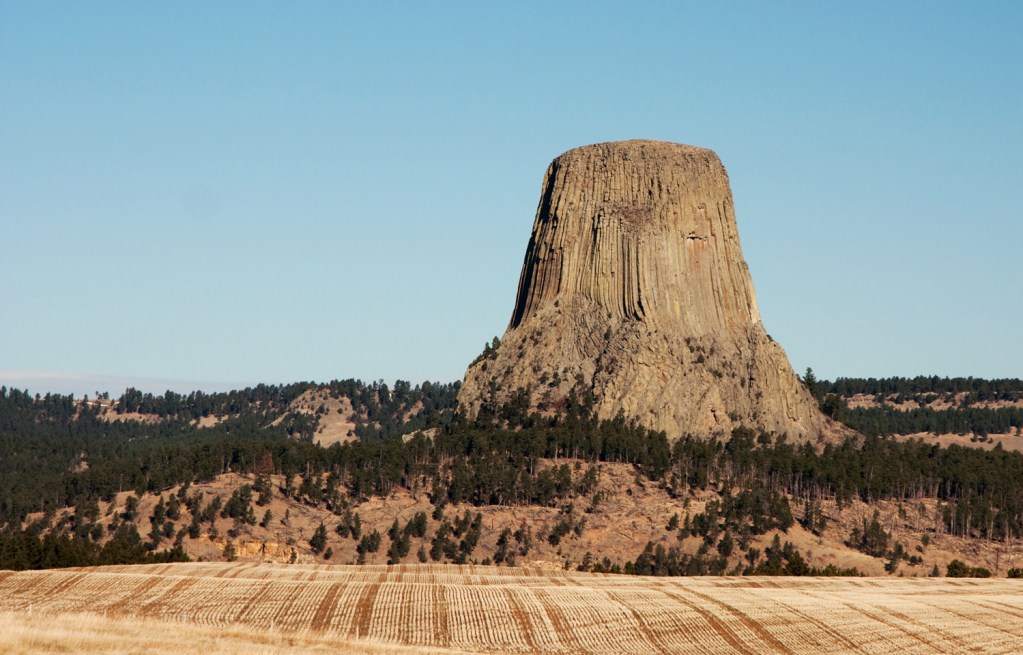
244,607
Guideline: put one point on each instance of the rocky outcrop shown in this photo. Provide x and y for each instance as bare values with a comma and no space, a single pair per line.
634,292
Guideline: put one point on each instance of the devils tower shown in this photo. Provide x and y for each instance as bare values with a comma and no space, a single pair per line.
634,295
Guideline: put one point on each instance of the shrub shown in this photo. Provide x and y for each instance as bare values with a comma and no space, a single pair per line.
959,569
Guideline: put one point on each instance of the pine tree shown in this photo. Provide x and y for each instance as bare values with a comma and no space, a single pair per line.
319,539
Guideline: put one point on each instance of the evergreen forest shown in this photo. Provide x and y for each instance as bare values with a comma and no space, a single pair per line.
57,452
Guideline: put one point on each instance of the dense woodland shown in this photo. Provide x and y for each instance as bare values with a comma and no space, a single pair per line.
57,452
969,406
977,389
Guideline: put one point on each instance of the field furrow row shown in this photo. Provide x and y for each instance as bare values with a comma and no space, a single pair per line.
509,610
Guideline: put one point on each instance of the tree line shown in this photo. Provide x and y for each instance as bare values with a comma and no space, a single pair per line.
54,454
964,417
997,389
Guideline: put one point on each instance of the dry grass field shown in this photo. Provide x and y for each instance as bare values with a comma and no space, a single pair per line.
266,608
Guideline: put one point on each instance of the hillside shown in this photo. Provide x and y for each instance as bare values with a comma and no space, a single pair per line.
117,485
621,513
945,411
233,608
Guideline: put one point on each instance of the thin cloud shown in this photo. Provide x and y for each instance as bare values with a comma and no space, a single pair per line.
80,384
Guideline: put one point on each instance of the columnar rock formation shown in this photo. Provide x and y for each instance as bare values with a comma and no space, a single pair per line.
634,292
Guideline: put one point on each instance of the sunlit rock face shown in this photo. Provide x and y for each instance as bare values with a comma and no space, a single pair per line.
634,292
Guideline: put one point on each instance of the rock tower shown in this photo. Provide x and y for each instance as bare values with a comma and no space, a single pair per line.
634,292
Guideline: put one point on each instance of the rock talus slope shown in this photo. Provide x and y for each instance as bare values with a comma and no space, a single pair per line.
634,292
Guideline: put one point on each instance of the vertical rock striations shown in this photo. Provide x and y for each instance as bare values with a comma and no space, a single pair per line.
634,290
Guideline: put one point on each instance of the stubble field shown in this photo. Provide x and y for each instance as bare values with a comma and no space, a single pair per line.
264,608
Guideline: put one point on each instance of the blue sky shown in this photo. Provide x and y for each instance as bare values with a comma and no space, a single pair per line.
212,195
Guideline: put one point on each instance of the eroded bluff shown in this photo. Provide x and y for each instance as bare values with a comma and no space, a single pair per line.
634,293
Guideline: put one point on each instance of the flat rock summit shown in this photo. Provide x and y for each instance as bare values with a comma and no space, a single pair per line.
634,296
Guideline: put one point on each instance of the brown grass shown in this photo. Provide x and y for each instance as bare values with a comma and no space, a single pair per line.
82,632
1008,440
633,511
938,402
337,422
261,608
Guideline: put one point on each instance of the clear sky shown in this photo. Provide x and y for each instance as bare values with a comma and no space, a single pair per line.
212,195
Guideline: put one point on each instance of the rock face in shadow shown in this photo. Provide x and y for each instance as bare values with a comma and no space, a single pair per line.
634,293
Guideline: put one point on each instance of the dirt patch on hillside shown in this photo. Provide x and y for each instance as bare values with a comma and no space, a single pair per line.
1008,441
336,415
935,401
